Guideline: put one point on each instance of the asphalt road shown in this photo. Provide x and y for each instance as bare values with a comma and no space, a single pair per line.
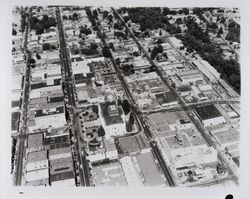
69,91
184,106
24,119
147,132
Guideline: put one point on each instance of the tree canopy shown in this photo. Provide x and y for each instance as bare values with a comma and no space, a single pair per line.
41,24
106,52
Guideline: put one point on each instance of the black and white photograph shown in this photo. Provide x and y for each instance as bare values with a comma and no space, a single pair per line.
125,96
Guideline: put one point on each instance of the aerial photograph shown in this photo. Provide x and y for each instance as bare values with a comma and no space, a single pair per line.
125,96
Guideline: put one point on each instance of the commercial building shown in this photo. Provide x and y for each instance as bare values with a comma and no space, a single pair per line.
110,148
37,171
113,122
166,99
189,76
109,175
209,115
45,118
165,121
132,144
35,142
149,171
130,172
61,167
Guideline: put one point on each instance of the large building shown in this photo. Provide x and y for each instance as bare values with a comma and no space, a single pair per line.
61,167
209,115
189,76
113,122
149,171
37,169
166,99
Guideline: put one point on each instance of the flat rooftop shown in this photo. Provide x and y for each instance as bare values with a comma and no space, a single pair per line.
110,119
37,156
15,117
174,143
62,165
35,140
109,175
62,176
207,112
164,119
228,136
187,73
195,137
184,88
149,170
52,111
165,98
60,151
57,141
132,143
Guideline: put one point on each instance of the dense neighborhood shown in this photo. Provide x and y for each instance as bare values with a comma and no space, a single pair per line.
140,96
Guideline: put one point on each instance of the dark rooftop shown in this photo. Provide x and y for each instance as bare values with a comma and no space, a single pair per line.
62,176
164,98
114,119
15,103
57,141
38,85
56,99
207,112
40,113
15,116
132,143
184,88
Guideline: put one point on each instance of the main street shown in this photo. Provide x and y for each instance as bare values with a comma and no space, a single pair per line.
24,116
153,145
68,85
184,106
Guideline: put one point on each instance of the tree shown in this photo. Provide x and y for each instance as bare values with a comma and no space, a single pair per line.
131,119
111,45
220,32
95,14
185,11
38,56
126,106
39,29
85,30
128,127
93,46
14,32
106,52
135,54
160,33
221,168
105,14
110,17
165,11
32,61
165,55
119,102
23,24
101,131
118,26
160,48
95,109
75,16
46,46
178,21
223,20
156,50
64,17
